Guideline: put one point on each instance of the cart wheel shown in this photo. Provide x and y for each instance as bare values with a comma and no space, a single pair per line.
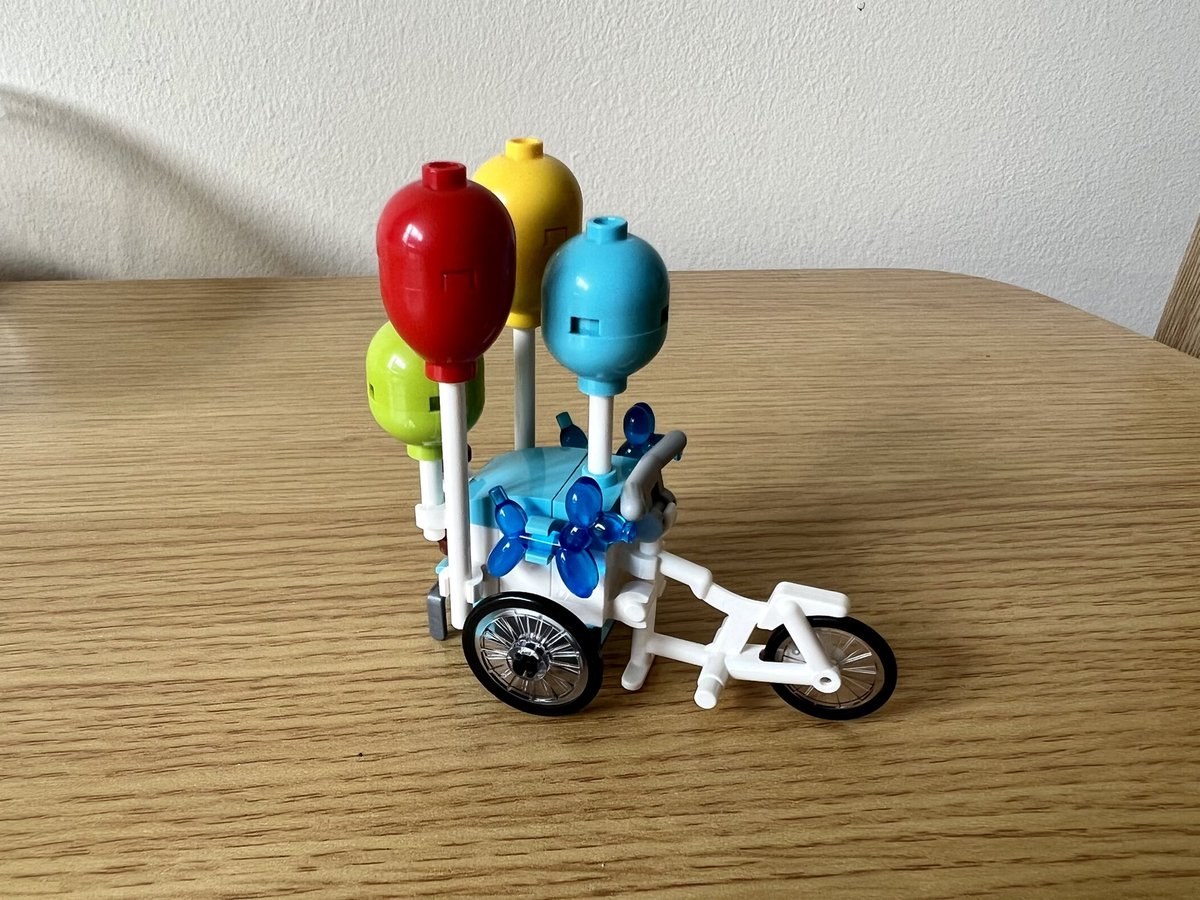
864,660
532,654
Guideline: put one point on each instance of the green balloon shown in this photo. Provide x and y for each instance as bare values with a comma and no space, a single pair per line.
404,401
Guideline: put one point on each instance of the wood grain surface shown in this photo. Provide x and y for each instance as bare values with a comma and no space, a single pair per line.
217,680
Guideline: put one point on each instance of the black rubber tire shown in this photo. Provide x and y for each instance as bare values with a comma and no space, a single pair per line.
780,640
512,603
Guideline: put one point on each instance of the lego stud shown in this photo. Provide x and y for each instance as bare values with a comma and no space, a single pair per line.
607,229
444,176
523,148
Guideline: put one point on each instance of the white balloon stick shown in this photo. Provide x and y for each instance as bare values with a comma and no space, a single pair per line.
453,401
600,427
524,387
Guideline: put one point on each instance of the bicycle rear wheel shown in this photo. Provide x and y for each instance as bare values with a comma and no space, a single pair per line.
532,654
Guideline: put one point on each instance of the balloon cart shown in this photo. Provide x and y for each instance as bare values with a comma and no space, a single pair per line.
547,548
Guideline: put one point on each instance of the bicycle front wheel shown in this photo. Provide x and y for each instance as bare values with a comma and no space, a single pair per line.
863,659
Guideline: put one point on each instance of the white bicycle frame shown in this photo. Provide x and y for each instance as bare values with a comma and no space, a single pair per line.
729,653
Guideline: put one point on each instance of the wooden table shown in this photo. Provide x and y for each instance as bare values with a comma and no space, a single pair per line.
217,679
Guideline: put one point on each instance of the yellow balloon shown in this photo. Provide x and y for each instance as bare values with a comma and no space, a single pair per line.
546,206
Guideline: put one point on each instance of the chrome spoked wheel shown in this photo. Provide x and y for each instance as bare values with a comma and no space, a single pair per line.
532,654
864,661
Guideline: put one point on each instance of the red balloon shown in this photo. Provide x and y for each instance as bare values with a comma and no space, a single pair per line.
447,268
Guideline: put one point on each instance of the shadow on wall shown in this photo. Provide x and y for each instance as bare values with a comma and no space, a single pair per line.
80,198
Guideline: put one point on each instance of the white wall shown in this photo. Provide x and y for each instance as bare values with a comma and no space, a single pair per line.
1050,144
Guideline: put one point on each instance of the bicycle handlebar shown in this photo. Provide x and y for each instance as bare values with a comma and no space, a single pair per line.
635,496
